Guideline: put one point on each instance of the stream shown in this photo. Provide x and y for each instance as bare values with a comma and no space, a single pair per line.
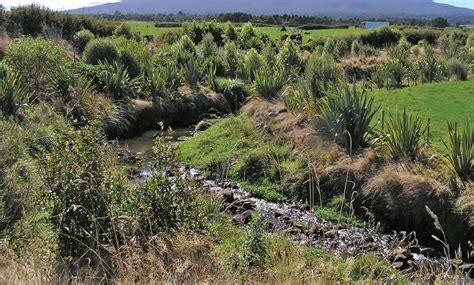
296,222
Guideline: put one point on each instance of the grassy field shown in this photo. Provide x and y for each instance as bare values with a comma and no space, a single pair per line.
274,32
148,28
440,102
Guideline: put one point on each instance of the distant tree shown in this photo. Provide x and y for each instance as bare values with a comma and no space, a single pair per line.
440,23
123,30
2,15
28,19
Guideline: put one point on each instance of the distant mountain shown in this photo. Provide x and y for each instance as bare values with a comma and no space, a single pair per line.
341,8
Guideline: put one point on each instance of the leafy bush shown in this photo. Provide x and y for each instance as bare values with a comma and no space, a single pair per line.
123,30
80,195
404,137
348,115
130,63
165,202
269,82
381,38
248,37
460,147
81,39
395,73
456,68
12,94
100,50
234,92
35,60
379,76
322,72
255,248
470,41
356,47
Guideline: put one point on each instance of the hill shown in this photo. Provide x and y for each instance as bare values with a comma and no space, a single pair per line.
366,8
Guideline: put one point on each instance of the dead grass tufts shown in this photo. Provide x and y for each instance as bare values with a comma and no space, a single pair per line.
399,199
465,203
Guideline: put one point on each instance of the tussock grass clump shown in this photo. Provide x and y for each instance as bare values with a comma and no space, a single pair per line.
460,147
81,39
348,113
405,136
12,93
269,82
192,73
457,69
399,200
322,73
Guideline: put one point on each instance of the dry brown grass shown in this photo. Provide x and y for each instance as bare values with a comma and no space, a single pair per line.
399,198
4,42
465,203
361,66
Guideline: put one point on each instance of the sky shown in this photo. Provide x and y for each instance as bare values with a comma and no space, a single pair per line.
68,4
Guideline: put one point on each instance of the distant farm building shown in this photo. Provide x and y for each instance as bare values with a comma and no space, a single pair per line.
375,25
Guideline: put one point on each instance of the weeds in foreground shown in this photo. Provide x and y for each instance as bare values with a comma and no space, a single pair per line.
269,82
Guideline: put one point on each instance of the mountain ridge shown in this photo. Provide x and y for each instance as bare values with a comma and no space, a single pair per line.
303,7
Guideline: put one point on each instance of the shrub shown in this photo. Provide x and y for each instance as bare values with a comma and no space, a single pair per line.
288,57
231,58
404,137
252,62
80,194
356,47
12,94
192,73
231,33
81,39
430,68
123,30
35,60
100,50
208,47
256,245
379,76
395,73
269,82
167,201
234,92
381,38
456,68
130,63
348,115
248,37
322,72
470,41
460,147
115,81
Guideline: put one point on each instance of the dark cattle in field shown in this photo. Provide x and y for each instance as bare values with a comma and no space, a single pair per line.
297,38
284,37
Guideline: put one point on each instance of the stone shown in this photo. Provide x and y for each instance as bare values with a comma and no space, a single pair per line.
243,219
248,205
228,195
202,126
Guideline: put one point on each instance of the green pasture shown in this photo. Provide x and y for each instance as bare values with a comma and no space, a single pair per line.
148,28
439,102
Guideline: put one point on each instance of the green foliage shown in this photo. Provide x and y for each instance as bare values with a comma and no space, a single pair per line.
35,60
370,267
130,63
269,82
167,201
333,215
456,68
231,33
405,135
381,38
115,80
348,115
123,30
460,148
378,76
231,58
234,91
248,37
288,57
207,47
100,50
80,195
470,41
81,39
12,94
356,47
253,61
192,73
430,68
440,23
322,73
255,248
395,73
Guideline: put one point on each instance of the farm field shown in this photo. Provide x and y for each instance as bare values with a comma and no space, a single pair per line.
148,28
440,102
275,34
